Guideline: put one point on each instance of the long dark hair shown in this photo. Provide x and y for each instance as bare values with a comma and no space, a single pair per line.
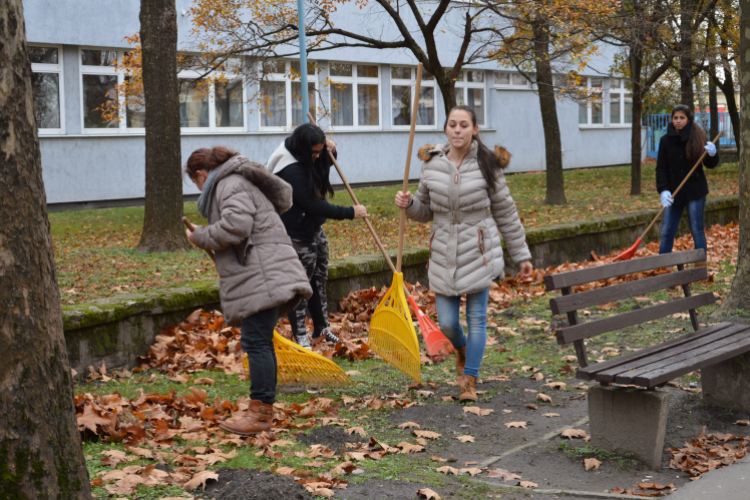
300,144
697,141
207,159
489,164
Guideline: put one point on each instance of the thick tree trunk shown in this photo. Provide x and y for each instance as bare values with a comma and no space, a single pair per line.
40,447
550,124
727,88
686,53
713,103
162,227
448,90
636,66
739,296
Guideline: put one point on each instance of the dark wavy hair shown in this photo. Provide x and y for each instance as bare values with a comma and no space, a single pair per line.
489,164
697,141
300,144
207,159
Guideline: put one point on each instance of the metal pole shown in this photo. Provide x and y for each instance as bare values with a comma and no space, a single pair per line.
303,60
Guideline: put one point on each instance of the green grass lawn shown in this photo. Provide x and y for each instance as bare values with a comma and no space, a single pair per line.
96,251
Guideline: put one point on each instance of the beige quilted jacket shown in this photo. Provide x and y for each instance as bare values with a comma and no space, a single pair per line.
465,251
258,266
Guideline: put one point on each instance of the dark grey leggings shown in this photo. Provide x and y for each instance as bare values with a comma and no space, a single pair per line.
257,342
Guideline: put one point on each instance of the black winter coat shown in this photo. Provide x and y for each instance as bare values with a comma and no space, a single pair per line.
672,166
309,212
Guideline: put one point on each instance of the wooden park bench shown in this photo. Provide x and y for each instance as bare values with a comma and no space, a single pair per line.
633,419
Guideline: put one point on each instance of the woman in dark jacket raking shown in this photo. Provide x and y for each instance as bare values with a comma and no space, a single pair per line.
302,160
681,147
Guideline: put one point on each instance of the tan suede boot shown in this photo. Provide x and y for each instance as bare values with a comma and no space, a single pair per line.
257,419
468,386
460,360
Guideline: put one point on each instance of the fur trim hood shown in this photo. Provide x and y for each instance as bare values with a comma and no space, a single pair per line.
280,159
277,190
428,151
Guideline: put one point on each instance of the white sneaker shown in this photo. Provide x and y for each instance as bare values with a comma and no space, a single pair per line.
303,340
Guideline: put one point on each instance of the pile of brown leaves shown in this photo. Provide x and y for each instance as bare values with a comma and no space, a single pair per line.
646,490
707,452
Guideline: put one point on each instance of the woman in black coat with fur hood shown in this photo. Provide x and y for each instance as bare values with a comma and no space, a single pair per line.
681,147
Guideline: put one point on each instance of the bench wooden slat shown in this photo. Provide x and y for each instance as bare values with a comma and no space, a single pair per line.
595,371
597,296
586,330
696,363
626,375
581,276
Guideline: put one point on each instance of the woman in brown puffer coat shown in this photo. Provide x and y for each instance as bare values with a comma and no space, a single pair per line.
462,191
260,276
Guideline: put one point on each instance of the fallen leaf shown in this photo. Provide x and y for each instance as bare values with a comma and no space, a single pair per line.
199,479
438,458
356,430
447,469
531,406
286,471
466,439
528,484
408,425
409,448
591,463
428,494
544,398
503,474
522,425
478,411
556,385
507,411
574,433
472,471
551,415
427,434
204,381
351,373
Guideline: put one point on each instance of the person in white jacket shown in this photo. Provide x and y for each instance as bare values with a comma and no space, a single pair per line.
462,190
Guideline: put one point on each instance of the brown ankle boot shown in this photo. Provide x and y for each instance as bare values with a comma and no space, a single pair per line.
468,386
257,419
460,360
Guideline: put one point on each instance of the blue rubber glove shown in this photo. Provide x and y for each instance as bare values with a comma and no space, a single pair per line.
666,199
711,148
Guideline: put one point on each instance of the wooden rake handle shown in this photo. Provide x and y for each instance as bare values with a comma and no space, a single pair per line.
697,164
402,220
192,226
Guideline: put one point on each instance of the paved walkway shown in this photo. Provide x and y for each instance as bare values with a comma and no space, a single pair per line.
728,483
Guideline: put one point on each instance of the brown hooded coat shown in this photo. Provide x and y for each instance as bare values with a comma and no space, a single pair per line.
258,267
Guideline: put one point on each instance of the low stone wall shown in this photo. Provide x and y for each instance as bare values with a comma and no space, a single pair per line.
729,156
118,329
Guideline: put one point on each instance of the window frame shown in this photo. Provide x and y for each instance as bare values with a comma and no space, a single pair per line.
510,86
212,128
59,70
464,85
411,83
103,70
288,103
603,101
622,91
355,81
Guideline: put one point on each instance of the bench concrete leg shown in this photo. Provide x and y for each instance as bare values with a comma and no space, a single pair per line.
627,420
726,384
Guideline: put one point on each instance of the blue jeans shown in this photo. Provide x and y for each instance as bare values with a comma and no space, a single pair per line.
672,216
257,342
476,317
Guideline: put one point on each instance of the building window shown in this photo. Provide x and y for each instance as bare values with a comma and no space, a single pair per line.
355,95
470,91
99,80
510,80
280,99
46,84
592,111
620,102
403,85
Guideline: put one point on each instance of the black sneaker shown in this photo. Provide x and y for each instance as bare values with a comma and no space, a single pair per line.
327,335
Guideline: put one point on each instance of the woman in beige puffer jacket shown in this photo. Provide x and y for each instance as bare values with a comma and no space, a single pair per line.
260,277
462,190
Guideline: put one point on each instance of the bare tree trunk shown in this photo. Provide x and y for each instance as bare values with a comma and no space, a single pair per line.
40,448
550,123
162,227
636,67
739,296
686,54
448,89
727,88
713,102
